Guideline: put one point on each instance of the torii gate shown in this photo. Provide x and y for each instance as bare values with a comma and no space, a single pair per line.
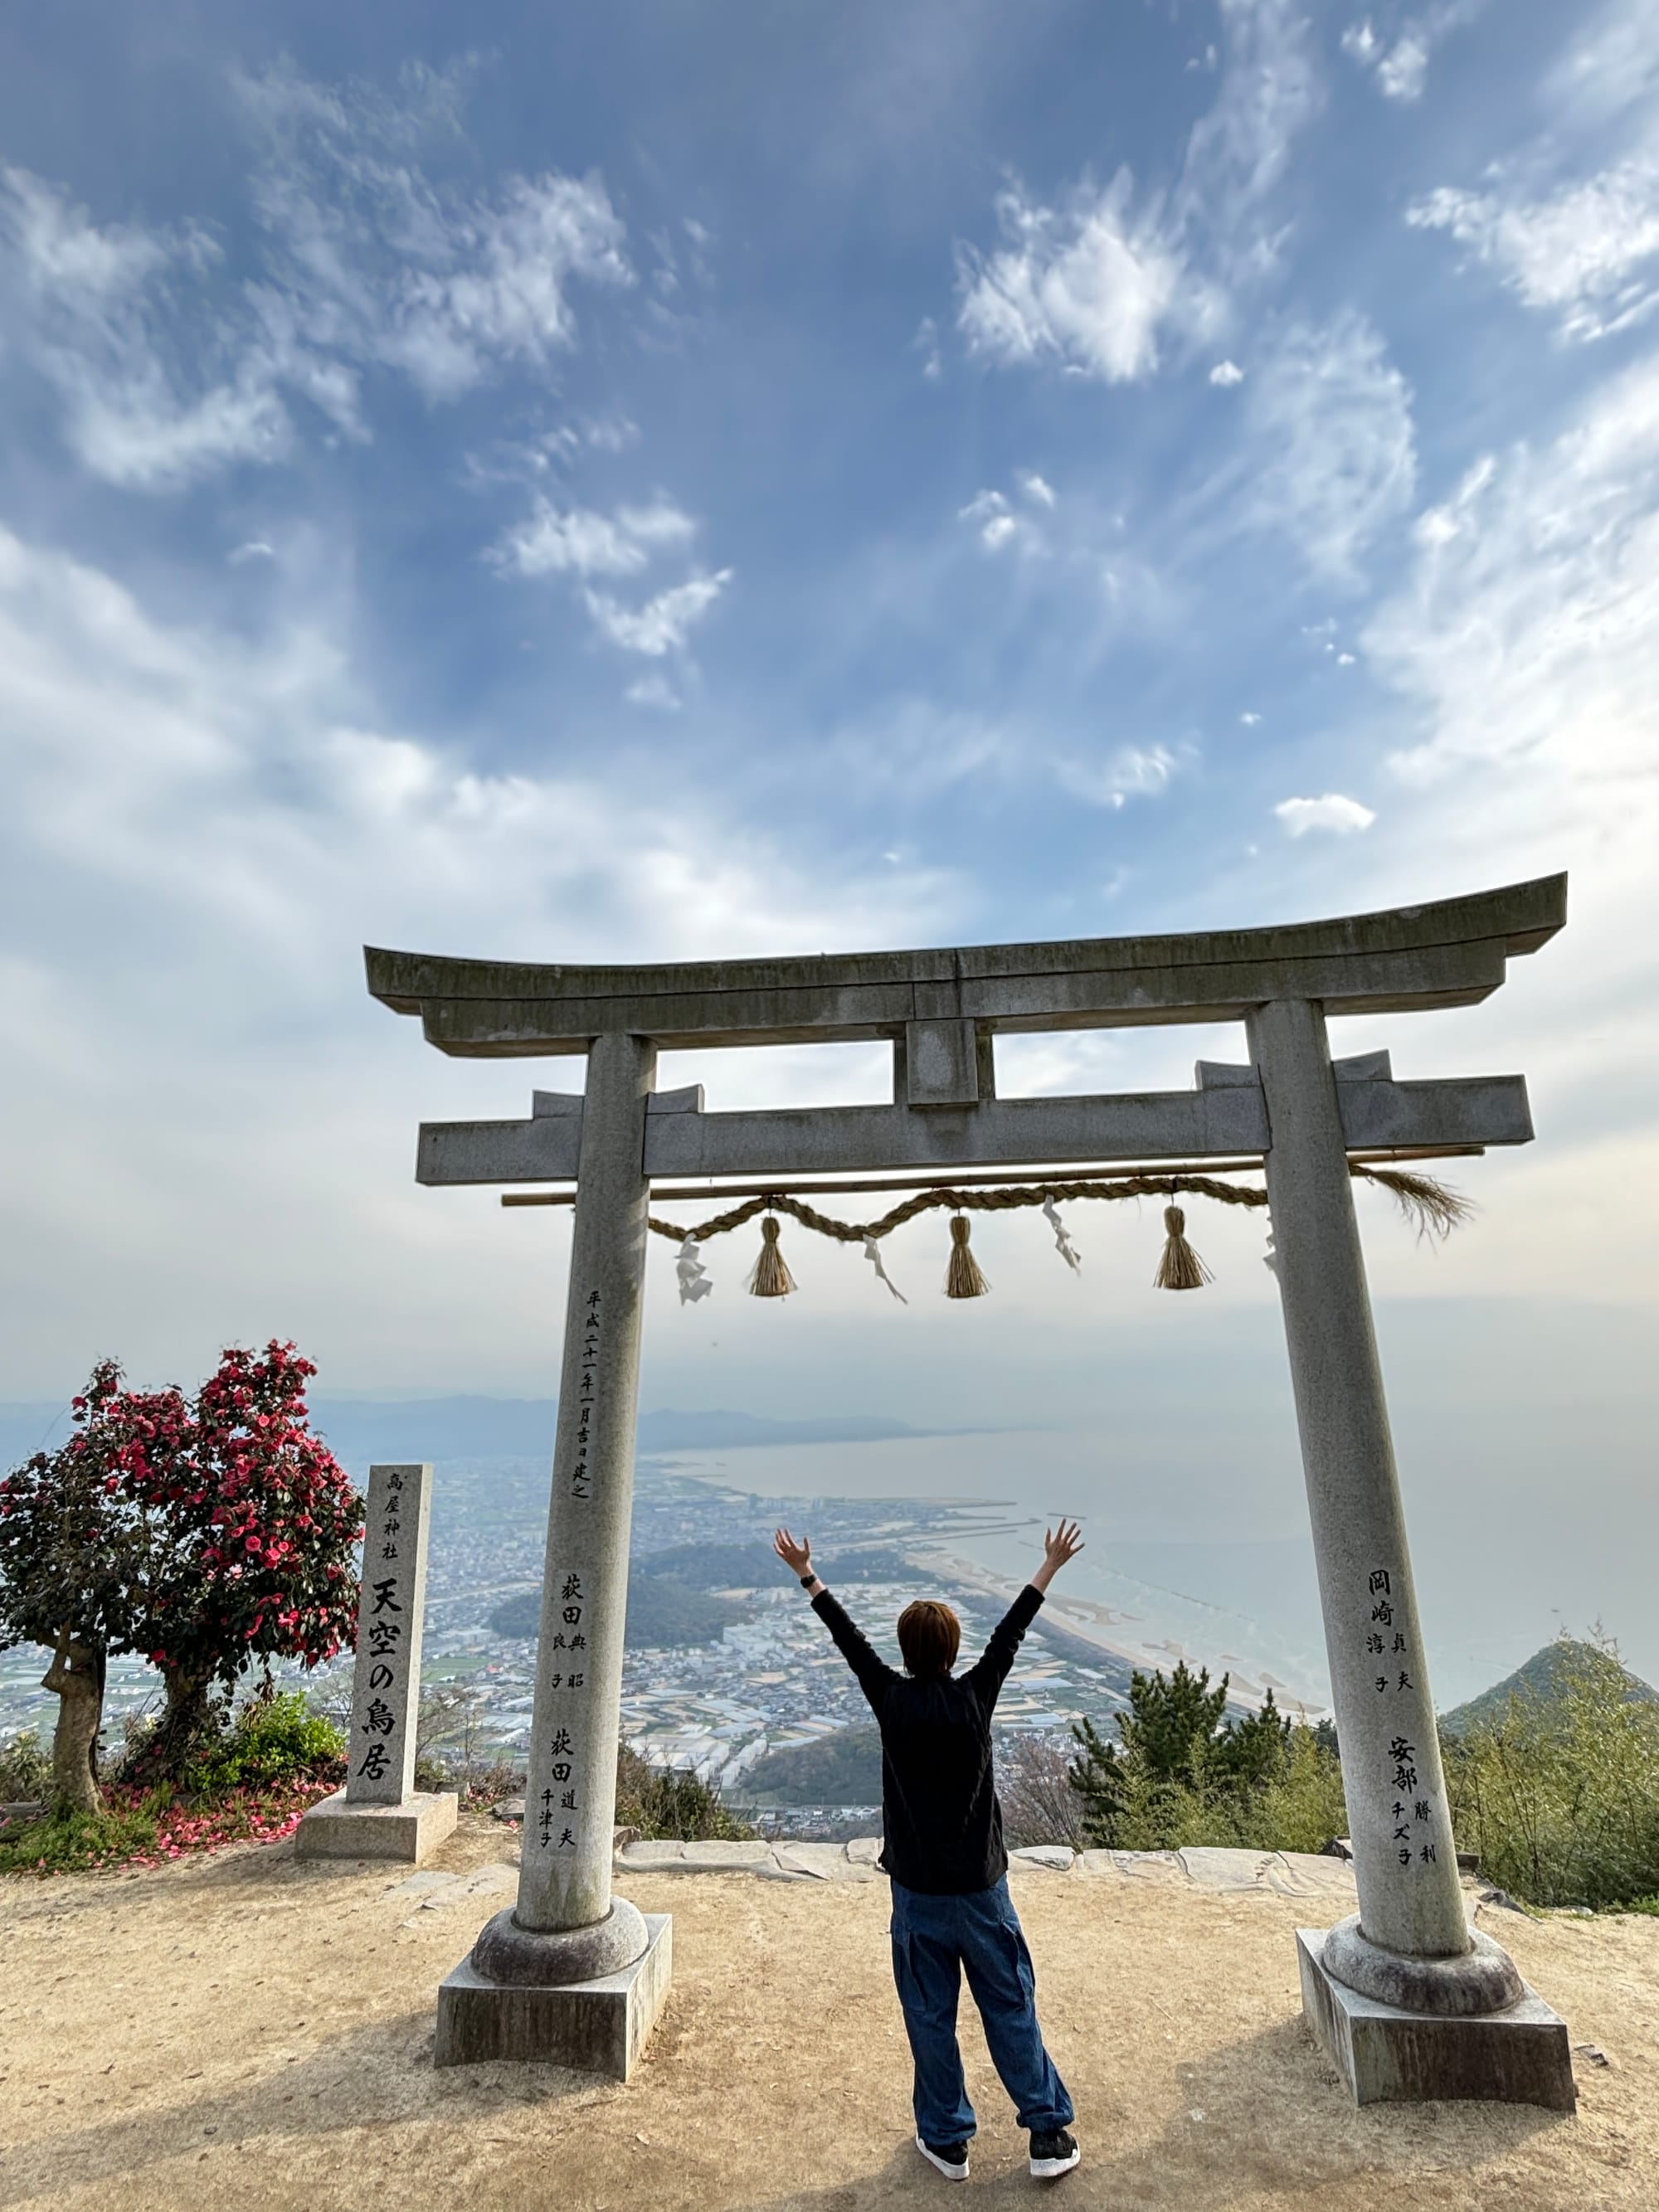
1409,2000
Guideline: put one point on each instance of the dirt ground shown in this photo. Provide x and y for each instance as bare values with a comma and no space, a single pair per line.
245,2030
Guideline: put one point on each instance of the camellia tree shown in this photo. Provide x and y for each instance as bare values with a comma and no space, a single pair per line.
207,1535
80,1548
263,1523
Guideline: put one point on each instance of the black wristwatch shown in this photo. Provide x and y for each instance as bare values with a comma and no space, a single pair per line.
808,1581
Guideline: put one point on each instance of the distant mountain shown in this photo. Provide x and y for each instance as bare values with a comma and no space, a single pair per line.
1540,1679
359,1429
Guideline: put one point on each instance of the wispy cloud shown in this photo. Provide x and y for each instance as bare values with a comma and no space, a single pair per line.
662,624
1398,55
1097,281
1588,252
576,541
1332,454
165,375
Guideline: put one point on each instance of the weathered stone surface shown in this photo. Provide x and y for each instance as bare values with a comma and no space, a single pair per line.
1448,952
1400,1822
1309,1873
865,1850
600,2026
385,1678
570,1791
335,1829
1386,2055
1213,1868
824,1862
667,1857
1057,1858
531,1958
1483,1978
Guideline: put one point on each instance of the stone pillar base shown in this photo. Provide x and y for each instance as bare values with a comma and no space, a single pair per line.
407,1832
600,2026
1518,2056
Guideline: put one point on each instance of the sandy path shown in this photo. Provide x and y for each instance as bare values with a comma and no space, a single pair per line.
248,2032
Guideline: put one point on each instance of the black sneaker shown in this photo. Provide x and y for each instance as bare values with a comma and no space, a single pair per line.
1053,2154
950,2159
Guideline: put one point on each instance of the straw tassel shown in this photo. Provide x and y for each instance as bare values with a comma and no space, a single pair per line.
771,1278
1180,1269
963,1278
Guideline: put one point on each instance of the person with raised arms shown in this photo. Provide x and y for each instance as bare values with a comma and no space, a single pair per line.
944,1854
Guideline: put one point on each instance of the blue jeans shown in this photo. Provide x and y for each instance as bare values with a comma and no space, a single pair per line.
934,1939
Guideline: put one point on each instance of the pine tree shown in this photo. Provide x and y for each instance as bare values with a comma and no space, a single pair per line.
1097,1774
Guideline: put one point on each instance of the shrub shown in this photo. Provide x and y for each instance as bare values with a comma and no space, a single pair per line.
25,1769
273,1740
1558,1794
669,1802
1180,1776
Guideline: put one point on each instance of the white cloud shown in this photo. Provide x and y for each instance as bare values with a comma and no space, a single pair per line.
1588,252
1037,488
1226,373
167,373
254,549
1087,288
228,818
1249,718
1095,284
1400,59
1332,458
663,623
577,541
1333,813
989,514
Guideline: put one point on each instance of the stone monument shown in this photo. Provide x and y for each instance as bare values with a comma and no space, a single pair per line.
1409,2000
379,1814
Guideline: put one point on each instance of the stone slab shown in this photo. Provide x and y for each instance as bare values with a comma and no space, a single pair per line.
865,1850
1134,1865
823,1862
599,2026
1309,1873
334,1829
1056,1858
667,1857
1214,1867
1519,2056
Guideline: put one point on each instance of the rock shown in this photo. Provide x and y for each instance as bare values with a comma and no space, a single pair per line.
865,1850
1057,1858
1340,1847
1501,1899
1594,2052
507,1809
1309,1873
663,1856
1212,1867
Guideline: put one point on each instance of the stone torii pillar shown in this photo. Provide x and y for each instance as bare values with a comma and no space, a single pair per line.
1410,2003
570,1972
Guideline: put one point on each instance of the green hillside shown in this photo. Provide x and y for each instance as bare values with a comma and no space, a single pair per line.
843,1769
1541,1680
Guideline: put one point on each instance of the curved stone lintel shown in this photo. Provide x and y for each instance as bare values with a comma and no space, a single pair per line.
1445,952
1484,1980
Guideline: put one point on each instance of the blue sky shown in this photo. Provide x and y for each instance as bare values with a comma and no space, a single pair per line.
657,480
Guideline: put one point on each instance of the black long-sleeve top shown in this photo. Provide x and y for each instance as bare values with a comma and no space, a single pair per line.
942,1823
